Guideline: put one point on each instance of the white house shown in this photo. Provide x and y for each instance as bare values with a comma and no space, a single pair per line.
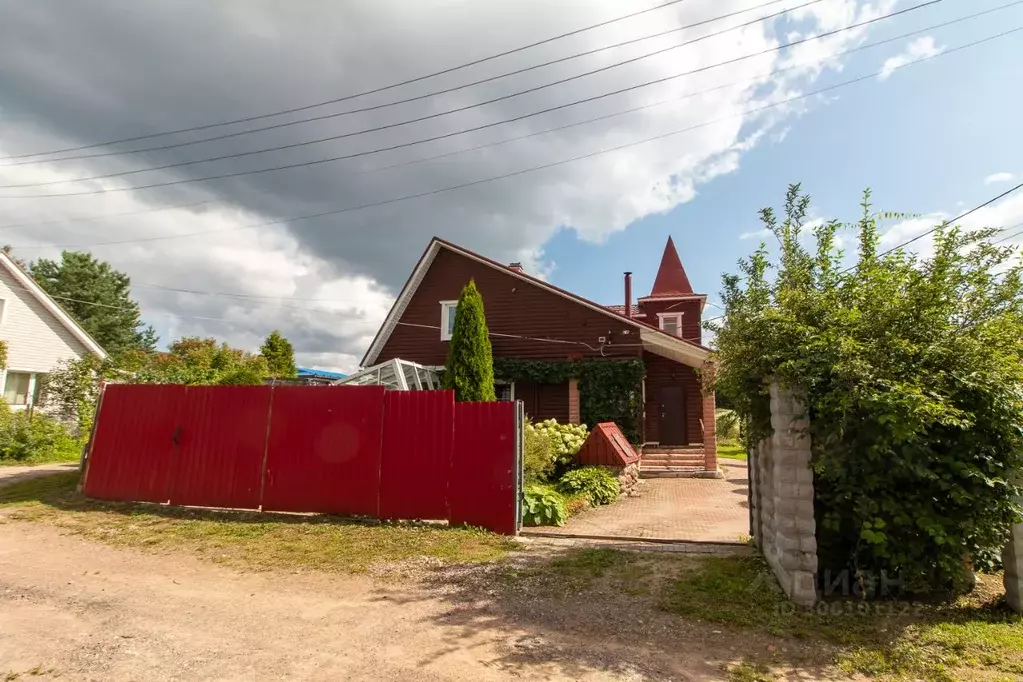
38,333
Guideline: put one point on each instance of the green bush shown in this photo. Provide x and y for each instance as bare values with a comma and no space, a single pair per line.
35,438
598,484
566,439
912,368
538,457
727,426
543,506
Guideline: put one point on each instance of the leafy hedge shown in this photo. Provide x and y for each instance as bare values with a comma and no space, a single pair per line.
543,505
538,457
598,484
610,390
26,437
913,372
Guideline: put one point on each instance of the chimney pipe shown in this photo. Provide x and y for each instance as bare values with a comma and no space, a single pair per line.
628,294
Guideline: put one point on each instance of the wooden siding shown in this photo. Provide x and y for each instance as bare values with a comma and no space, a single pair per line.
513,306
664,372
36,340
692,329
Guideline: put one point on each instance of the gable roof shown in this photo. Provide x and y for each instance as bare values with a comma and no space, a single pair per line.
671,277
655,340
31,286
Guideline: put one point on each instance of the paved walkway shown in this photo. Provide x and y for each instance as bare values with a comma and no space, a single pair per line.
673,508
13,474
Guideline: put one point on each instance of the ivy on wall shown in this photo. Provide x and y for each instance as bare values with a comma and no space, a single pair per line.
609,390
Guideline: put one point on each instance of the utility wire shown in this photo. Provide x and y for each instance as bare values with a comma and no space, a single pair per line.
531,169
546,131
333,159
359,94
938,227
429,95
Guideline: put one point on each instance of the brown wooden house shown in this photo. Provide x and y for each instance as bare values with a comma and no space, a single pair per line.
529,318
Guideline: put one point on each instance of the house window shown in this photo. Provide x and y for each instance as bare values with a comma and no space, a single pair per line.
16,388
447,319
671,323
3,309
505,392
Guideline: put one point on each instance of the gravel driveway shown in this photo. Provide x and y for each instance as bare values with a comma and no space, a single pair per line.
13,474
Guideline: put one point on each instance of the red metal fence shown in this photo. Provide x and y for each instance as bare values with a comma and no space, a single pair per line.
354,450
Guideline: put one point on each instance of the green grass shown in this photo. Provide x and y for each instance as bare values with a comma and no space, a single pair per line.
880,640
732,451
248,539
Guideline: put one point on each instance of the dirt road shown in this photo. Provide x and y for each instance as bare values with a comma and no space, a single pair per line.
86,611
13,474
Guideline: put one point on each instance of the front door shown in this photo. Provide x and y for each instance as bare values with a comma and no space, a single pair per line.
673,416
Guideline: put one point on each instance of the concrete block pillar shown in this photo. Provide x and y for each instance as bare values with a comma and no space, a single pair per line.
790,537
1012,561
574,414
710,433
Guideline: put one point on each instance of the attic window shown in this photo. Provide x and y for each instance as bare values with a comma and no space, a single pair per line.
671,323
447,319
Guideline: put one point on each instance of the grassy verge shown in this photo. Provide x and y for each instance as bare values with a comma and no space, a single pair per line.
974,637
247,539
732,451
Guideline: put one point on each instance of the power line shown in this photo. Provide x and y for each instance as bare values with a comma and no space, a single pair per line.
553,164
562,127
938,227
348,156
364,93
389,126
429,95
947,223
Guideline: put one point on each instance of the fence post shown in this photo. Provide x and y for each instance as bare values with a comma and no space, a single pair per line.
87,450
266,446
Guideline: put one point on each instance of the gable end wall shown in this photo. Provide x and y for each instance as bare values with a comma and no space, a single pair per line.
36,340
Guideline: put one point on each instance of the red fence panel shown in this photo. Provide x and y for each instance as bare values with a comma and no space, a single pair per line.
132,449
416,460
220,440
323,452
483,490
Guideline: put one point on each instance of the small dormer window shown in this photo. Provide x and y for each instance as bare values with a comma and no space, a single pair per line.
671,323
447,319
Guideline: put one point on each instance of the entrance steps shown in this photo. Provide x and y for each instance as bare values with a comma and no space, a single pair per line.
673,462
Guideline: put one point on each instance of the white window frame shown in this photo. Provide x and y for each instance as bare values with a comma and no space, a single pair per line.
675,316
33,378
447,312
3,310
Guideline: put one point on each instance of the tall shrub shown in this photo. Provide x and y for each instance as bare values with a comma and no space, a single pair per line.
913,372
470,365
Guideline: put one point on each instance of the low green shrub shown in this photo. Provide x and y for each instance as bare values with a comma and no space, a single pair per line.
538,455
543,505
599,485
26,437
566,439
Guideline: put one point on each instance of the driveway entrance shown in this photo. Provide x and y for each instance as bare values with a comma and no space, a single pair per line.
700,509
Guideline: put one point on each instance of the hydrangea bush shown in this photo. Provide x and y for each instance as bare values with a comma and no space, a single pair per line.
565,439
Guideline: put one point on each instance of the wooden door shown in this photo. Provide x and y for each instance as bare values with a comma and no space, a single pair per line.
673,416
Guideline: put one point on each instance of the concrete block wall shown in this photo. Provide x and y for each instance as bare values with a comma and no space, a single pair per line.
781,499
1012,561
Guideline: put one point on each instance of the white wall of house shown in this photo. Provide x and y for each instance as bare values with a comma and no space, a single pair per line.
36,339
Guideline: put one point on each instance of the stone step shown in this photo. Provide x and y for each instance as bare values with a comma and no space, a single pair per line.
678,472
672,460
681,450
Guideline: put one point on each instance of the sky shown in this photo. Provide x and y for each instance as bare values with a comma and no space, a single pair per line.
733,118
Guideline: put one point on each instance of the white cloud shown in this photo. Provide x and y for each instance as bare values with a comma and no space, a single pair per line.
998,177
353,264
760,234
918,48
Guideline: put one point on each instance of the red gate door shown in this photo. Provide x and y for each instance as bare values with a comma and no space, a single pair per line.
132,451
323,452
485,465
219,443
416,461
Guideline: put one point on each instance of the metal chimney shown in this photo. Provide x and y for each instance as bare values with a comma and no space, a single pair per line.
628,294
